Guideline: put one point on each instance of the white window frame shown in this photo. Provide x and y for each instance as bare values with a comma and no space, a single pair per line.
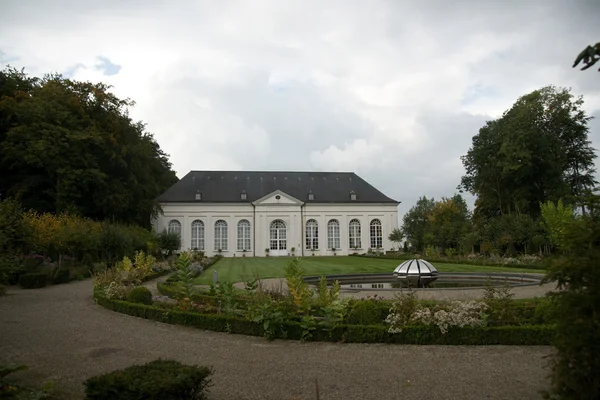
197,235
174,226
312,235
333,234
354,234
243,235
376,233
221,235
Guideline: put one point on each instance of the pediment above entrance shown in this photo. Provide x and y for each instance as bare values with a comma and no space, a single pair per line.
277,198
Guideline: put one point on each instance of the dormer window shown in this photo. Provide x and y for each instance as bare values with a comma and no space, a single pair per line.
198,195
243,195
311,196
352,196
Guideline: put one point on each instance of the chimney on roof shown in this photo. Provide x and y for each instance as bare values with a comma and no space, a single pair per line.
352,195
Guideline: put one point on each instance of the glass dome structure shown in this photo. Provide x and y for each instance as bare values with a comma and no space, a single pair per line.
416,273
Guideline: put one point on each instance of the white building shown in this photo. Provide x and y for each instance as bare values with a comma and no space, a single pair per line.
301,213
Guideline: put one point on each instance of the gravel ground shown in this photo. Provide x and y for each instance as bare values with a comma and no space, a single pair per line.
64,336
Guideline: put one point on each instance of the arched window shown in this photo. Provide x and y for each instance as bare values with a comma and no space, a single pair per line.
197,235
243,235
278,235
312,235
333,234
376,234
174,227
221,235
354,234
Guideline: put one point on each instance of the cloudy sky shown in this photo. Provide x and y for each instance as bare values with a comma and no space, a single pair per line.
392,90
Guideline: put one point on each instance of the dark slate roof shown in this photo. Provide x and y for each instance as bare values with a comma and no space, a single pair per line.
227,186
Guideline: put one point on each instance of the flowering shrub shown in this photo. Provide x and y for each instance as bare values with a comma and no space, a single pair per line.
460,313
196,268
116,291
401,312
510,261
405,311
529,259
162,266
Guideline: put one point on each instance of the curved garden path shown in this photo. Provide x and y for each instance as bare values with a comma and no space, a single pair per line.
64,336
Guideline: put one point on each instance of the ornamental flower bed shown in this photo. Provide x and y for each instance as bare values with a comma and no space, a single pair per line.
321,314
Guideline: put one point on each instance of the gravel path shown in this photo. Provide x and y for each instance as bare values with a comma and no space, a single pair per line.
63,335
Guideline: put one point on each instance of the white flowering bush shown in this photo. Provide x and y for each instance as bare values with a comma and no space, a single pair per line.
458,313
116,290
510,261
529,259
401,312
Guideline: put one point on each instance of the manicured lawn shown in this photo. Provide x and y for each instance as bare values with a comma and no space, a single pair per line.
245,268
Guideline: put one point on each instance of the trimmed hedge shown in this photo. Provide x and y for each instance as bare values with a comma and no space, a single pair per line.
505,335
140,295
33,281
156,380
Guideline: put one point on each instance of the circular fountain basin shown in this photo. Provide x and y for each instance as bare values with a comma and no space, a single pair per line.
444,281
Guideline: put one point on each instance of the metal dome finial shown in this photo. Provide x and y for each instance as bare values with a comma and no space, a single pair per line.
416,273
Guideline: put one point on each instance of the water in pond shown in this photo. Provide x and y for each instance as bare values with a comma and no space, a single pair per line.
444,281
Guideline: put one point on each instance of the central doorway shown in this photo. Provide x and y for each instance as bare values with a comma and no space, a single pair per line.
278,238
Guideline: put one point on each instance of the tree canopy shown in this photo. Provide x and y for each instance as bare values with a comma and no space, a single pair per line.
537,151
69,146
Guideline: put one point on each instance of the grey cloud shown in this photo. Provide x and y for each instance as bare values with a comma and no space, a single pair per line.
301,85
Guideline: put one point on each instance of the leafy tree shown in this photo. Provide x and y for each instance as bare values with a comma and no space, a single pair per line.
449,221
555,219
576,362
590,56
14,232
396,236
68,146
415,222
537,151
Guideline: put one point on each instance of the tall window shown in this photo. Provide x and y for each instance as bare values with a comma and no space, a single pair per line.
174,227
354,234
221,235
198,235
333,234
243,235
312,235
376,234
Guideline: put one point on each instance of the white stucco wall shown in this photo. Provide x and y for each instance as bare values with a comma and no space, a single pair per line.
291,211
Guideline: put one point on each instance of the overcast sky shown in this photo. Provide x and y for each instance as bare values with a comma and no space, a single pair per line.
392,90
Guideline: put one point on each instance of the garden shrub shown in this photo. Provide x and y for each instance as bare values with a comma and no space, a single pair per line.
62,275
10,269
140,295
33,281
367,312
156,380
168,242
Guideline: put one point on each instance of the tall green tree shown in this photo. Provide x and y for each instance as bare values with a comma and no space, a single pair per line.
537,151
416,221
69,146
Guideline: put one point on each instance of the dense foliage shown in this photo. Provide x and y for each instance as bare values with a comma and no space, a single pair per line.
65,246
577,306
69,146
519,166
156,380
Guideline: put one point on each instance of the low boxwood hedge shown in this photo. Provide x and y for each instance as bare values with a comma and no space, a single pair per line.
505,335
157,380
33,281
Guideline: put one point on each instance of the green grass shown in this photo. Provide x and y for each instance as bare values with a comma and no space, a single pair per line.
245,268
